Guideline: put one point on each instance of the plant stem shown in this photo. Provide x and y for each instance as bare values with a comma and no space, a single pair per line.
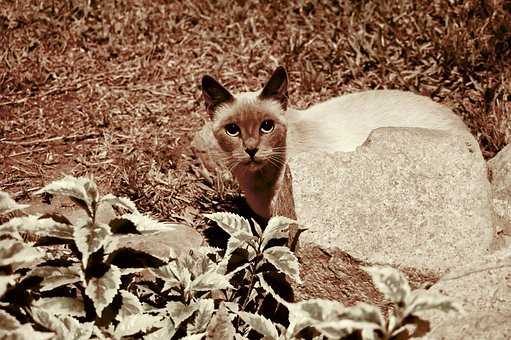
250,287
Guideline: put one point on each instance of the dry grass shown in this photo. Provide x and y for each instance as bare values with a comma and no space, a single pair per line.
111,87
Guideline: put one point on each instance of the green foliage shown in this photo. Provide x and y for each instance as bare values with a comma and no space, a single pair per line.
204,293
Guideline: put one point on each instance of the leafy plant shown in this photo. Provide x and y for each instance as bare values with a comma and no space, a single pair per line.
331,319
84,287
86,291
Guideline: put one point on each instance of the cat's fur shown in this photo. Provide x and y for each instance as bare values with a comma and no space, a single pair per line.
338,124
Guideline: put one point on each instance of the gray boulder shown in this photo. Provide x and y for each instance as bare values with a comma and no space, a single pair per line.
483,289
499,169
413,197
483,285
473,326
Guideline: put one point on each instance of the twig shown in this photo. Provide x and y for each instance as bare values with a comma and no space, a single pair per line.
25,152
23,192
75,86
87,163
55,139
30,174
44,94
475,271
21,137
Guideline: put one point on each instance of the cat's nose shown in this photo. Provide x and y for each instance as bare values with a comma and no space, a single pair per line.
251,152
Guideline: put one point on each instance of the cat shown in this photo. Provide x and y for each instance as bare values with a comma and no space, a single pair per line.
254,133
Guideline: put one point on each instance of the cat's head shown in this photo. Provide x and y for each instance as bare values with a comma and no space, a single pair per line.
249,127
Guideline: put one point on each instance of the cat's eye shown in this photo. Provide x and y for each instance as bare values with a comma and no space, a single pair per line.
232,130
267,126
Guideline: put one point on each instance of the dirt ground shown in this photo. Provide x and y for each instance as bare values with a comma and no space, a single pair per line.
111,88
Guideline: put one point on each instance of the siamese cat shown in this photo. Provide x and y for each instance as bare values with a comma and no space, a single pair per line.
257,131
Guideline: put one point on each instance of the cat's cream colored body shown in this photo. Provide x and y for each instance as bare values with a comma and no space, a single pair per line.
344,123
257,158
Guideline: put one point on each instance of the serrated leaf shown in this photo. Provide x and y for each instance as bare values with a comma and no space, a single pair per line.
146,223
341,328
61,306
24,332
422,300
167,274
246,238
260,324
7,204
92,190
89,238
194,336
257,228
122,202
128,271
238,336
305,313
64,327
5,281
390,282
81,189
284,260
15,252
277,228
133,324
110,244
166,331
220,327
203,316
210,281
197,263
369,334
230,275
179,312
8,322
239,241
102,290
207,250
130,305
174,274
234,307
310,312
365,312
34,224
393,324
267,288
230,222
54,277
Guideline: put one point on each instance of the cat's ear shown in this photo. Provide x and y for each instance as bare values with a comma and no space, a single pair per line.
276,87
214,94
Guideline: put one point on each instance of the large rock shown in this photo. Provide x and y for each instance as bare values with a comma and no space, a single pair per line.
483,289
499,168
412,197
473,326
483,285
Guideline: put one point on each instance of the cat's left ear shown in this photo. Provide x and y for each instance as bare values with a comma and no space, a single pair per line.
276,87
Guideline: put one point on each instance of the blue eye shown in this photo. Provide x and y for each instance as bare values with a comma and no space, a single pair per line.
232,130
267,126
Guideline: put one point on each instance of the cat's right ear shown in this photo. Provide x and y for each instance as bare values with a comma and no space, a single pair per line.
276,87
214,94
